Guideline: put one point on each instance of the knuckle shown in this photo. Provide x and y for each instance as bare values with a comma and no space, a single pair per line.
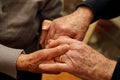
58,49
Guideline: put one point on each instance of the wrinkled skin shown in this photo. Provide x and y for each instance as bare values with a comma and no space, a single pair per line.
30,62
74,25
81,61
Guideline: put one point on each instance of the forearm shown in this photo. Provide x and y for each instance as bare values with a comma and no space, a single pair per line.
110,69
102,69
8,58
105,70
85,13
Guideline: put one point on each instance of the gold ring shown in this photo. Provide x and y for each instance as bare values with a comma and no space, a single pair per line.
61,58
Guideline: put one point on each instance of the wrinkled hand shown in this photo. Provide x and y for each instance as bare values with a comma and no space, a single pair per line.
74,25
81,61
30,62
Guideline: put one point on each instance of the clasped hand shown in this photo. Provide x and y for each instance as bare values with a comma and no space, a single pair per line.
80,60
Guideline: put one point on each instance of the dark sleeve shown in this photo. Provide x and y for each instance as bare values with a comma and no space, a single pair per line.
116,73
104,9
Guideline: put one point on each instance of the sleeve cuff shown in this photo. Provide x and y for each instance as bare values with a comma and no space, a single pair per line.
8,58
95,6
116,73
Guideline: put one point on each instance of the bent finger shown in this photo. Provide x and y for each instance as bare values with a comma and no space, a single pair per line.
60,40
59,50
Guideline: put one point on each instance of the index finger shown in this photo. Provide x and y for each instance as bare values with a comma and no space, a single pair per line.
54,52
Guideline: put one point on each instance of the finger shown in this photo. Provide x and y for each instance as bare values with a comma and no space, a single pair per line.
53,43
46,24
51,33
49,54
45,28
42,40
48,45
55,67
54,52
57,59
60,40
61,59
60,36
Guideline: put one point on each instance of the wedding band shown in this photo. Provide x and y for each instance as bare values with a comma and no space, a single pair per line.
61,58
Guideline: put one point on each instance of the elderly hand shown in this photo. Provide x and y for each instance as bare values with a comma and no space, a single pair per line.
74,25
81,61
30,62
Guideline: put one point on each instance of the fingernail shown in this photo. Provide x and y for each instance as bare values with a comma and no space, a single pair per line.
45,27
41,65
66,46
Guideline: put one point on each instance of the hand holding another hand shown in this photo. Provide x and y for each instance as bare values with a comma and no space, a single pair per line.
74,25
81,61
30,62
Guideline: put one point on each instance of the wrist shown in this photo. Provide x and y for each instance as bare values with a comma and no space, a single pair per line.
106,69
86,12
110,69
21,62
103,70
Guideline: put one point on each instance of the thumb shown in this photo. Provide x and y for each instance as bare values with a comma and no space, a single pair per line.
45,28
46,24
